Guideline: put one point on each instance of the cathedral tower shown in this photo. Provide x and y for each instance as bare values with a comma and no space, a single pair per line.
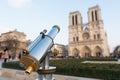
88,39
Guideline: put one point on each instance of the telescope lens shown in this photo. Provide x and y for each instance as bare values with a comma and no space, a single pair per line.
29,70
27,73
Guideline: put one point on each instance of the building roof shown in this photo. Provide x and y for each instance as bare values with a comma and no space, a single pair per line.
14,31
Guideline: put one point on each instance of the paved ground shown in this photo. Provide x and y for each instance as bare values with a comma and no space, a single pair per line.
2,78
11,74
62,77
1,63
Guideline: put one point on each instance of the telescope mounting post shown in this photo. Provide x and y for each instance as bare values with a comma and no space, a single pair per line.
46,72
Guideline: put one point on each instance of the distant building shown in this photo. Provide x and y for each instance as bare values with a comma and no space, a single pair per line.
62,50
87,39
116,52
14,41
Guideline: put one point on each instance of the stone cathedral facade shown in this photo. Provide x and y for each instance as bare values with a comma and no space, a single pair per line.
87,39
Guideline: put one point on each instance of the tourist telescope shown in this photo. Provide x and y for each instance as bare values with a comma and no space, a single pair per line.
36,56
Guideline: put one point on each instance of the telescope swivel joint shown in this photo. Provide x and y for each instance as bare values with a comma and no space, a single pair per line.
30,63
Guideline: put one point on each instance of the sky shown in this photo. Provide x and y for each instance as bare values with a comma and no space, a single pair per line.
32,16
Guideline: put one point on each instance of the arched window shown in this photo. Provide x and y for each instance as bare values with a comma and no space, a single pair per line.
77,38
96,17
76,21
73,39
72,20
98,36
94,37
92,16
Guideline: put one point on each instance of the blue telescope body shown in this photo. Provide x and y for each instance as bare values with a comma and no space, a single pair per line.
37,50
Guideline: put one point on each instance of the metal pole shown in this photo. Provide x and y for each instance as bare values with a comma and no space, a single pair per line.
45,64
46,72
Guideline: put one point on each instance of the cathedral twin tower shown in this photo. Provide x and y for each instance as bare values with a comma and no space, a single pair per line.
89,39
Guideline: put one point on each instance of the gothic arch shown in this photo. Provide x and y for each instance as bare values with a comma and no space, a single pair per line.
97,51
86,51
75,52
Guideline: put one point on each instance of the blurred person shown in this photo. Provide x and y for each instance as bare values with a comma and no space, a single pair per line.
6,54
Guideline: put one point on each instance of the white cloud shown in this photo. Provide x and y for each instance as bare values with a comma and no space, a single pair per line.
19,3
4,29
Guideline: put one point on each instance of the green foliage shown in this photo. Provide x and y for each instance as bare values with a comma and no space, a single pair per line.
74,67
12,65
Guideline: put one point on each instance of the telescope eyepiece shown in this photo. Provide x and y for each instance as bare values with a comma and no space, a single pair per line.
56,26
